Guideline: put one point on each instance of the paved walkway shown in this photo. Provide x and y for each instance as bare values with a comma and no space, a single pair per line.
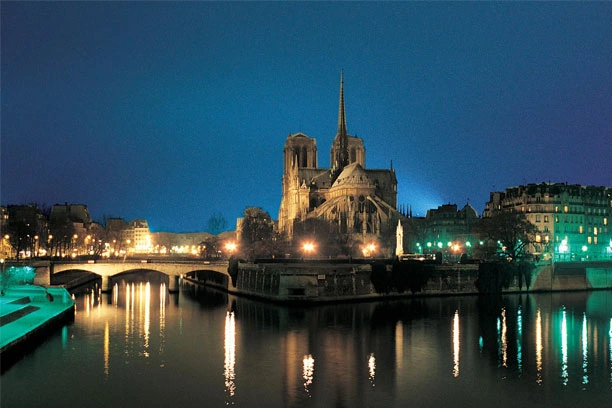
24,309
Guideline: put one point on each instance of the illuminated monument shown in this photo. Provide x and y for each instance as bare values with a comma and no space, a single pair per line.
351,198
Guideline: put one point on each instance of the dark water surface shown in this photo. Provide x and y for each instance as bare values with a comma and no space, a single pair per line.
143,347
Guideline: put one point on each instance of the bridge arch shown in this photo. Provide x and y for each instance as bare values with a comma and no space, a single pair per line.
140,275
112,270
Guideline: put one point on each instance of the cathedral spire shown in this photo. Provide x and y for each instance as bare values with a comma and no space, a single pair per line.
341,112
340,157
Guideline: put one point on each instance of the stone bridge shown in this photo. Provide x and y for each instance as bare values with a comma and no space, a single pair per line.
108,269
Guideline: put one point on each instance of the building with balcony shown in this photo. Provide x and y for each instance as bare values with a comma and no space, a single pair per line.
573,220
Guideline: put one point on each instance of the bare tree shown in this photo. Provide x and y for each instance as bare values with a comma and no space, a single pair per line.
509,232
217,224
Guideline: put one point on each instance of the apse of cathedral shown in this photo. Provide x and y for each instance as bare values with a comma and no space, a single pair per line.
348,196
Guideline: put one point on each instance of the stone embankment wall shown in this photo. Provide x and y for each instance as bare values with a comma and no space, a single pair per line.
572,276
333,282
316,282
304,281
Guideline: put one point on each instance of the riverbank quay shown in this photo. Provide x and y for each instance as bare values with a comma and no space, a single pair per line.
28,313
326,281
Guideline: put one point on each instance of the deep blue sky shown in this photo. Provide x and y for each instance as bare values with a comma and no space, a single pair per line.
175,111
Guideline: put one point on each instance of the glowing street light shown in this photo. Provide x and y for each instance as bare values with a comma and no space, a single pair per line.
308,247
369,250
230,247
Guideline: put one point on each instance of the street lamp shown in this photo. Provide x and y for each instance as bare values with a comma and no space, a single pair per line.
230,247
308,247
369,250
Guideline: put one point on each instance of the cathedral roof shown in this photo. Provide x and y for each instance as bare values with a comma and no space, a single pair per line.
352,174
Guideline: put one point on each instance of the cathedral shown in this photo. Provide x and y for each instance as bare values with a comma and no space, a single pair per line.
351,198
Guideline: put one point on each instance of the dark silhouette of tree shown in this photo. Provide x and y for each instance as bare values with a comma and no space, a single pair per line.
217,224
509,232
24,225
257,231
61,229
209,248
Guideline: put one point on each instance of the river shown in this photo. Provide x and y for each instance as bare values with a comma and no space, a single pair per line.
141,346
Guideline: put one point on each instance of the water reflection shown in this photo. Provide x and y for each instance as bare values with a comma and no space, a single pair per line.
585,358
106,349
502,332
455,332
538,346
519,339
564,372
372,369
308,372
134,301
211,349
230,357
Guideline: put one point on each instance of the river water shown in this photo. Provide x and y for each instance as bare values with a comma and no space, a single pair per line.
144,347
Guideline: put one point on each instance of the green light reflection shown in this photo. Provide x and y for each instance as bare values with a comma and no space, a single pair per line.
585,364
564,373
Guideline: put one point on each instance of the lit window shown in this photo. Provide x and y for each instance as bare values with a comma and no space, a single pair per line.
589,240
595,231
595,240
546,218
566,209
605,221
557,219
580,229
556,208
537,218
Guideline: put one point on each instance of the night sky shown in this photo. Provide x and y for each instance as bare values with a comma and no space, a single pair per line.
174,112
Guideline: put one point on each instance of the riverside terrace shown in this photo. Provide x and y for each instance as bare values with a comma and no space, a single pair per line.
26,313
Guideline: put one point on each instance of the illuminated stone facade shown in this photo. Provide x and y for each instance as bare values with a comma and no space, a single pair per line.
353,199
573,220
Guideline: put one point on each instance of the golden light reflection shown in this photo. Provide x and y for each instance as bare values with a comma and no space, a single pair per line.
115,295
399,344
456,344
147,318
308,372
564,373
106,348
89,301
539,346
230,357
128,302
585,362
372,369
162,318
